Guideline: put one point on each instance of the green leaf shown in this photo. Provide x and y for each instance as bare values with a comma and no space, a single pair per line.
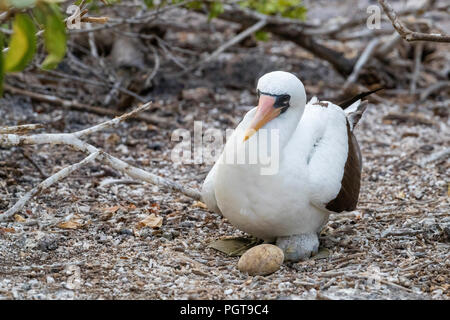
22,45
262,35
78,2
54,37
149,3
195,5
215,9
20,4
296,13
286,8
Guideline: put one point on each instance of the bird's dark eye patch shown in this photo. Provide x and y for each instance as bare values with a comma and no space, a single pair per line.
282,101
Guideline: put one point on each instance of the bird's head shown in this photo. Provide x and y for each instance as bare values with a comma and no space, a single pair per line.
278,92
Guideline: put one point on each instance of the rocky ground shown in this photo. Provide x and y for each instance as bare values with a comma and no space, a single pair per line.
81,239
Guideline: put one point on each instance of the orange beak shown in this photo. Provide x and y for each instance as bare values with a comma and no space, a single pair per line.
264,113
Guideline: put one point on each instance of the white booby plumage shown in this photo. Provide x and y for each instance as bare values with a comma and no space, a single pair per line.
319,165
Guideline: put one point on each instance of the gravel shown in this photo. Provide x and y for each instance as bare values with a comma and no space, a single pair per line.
395,246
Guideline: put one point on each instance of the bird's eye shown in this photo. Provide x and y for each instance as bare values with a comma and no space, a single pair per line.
283,100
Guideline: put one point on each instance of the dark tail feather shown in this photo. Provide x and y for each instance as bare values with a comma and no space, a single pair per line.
345,104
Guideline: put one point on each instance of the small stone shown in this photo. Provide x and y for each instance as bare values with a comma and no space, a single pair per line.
102,239
84,209
122,149
168,235
48,244
155,146
33,283
418,195
175,233
261,260
127,232
228,291
50,280
426,148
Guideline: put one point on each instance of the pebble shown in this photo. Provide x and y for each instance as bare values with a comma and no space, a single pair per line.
228,291
127,232
418,195
47,244
261,260
167,235
50,280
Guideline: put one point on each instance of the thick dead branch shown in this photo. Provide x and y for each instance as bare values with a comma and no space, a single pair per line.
406,33
238,38
73,140
290,30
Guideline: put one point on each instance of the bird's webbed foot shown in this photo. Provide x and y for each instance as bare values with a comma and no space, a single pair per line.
298,247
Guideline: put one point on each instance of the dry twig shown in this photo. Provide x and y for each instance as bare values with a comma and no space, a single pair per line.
365,56
418,48
21,129
407,34
73,140
75,105
238,38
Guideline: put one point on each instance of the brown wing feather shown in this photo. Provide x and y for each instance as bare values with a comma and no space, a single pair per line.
347,197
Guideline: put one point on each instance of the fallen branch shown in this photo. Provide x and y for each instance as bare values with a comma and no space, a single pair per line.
75,105
433,88
437,156
238,38
418,49
61,174
406,33
365,56
33,163
415,118
73,140
387,46
20,129
155,69
290,30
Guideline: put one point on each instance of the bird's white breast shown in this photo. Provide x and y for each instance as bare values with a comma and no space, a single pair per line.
267,206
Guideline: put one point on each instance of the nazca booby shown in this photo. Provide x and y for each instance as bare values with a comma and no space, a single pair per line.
318,173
